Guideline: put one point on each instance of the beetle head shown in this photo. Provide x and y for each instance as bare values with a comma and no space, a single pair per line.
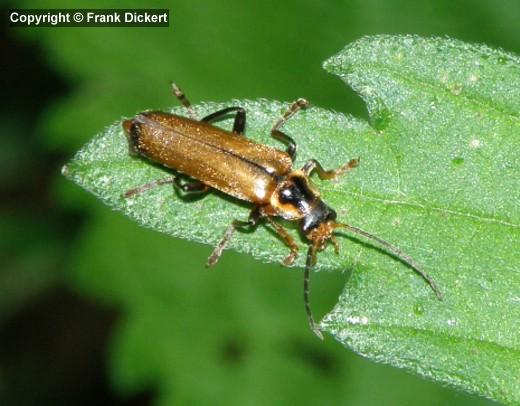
321,234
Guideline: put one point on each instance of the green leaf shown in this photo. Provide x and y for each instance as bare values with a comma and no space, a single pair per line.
438,178
450,112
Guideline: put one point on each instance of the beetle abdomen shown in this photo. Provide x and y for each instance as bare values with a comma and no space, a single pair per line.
225,161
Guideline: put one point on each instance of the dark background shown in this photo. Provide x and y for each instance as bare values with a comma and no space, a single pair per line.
94,309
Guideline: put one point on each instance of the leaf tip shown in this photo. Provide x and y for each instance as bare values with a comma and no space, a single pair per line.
65,170
333,64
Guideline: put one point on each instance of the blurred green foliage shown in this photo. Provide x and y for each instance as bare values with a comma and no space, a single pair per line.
188,332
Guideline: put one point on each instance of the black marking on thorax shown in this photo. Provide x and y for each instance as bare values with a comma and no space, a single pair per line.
297,194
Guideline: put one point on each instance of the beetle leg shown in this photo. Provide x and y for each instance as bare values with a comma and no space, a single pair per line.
195,187
280,136
240,118
176,90
335,243
148,186
287,239
312,165
291,145
188,190
252,222
190,187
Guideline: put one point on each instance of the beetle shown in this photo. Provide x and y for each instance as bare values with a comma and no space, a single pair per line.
264,176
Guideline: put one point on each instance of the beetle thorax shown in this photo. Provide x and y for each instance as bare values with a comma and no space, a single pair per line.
294,197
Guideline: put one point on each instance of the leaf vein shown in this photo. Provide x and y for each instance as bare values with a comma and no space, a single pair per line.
463,99
432,208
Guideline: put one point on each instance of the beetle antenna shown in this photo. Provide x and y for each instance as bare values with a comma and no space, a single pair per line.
311,260
396,251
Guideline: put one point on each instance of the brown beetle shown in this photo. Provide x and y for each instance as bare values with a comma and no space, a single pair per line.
259,174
